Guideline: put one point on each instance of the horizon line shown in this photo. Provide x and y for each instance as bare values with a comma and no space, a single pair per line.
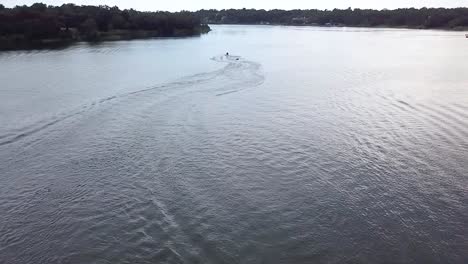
246,8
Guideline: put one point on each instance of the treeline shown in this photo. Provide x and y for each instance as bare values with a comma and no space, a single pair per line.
454,18
42,25
39,24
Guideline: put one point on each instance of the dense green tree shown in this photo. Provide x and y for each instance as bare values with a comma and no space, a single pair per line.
407,17
39,7
39,23
89,29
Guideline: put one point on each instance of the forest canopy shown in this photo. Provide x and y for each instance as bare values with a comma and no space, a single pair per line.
41,24
424,18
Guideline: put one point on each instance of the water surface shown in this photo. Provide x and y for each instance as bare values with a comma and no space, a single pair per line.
307,145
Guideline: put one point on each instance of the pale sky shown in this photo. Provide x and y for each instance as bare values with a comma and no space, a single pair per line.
176,5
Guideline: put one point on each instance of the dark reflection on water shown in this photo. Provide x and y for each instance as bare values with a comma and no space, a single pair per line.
316,146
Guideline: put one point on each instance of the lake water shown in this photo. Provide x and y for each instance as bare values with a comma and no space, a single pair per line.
306,145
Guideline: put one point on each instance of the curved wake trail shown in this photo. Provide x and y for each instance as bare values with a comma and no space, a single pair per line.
111,171
236,75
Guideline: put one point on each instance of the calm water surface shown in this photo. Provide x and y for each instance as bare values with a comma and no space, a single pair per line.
308,145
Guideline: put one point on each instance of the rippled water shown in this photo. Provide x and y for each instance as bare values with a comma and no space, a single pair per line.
313,146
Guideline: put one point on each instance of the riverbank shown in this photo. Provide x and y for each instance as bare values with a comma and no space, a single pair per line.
21,42
43,26
460,29
423,18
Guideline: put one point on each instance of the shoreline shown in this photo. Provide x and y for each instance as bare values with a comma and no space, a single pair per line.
19,42
461,29
16,43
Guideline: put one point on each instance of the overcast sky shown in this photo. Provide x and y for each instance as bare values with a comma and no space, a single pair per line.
175,5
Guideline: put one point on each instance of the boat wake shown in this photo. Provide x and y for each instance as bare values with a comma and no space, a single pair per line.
238,74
